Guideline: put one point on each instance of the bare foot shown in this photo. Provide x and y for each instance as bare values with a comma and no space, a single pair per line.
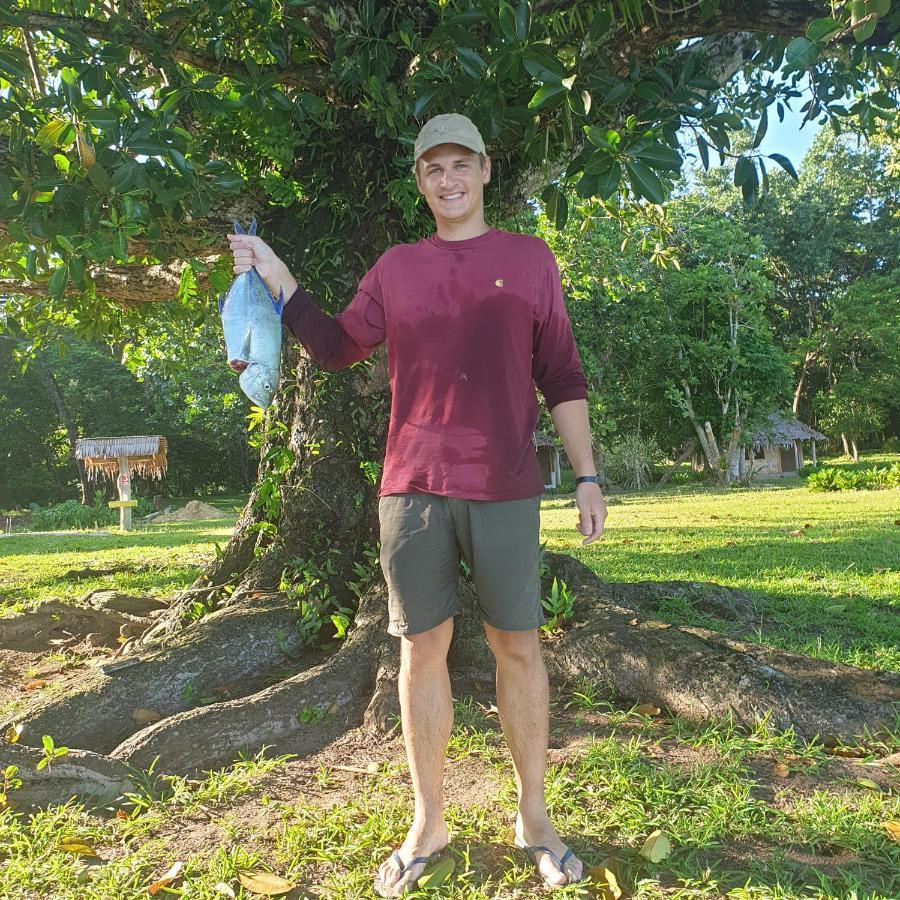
394,880
543,834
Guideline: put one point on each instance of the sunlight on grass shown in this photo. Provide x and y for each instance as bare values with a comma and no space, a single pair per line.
824,564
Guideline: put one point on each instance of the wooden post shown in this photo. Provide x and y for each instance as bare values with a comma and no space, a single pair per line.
124,485
556,468
796,454
815,461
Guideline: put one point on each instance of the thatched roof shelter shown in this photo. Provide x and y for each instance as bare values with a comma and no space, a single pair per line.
542,440
782,431
146,455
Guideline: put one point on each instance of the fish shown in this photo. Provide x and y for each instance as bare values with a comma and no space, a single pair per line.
251,321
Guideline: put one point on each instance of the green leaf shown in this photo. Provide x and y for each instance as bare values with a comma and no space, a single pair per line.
645,182
545,94
761,128
743,171
470,62
48,135
562,211
785,164
439,874
508,23
543,65
600,23
523,20
658,156
587,185
183,165
819,29
608,181
422,102
62,162
99,178
120,245
801,53
58,281
229,182
750,187
703,150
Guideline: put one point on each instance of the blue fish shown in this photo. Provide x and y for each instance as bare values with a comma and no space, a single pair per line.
251,320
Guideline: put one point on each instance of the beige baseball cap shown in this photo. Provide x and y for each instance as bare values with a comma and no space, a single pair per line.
449,128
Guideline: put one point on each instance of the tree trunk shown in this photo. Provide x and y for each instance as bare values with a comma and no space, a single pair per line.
68,422
846,444
687,452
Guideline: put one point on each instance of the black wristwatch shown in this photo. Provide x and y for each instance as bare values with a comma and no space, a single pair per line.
582,478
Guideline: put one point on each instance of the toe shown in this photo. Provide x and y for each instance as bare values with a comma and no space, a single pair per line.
574,869
550,871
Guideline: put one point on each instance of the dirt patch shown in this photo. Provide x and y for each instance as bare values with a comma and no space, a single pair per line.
195,509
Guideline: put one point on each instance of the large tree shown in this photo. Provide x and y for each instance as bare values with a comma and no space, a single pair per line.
133,133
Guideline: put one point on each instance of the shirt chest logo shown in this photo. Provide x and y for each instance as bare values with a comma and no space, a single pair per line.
499,282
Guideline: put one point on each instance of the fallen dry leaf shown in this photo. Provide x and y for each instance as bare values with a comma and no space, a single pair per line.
892,829
780,770
73,845
14,732
265,883
121,814
633,622
657,847
145,716
797,532
35,684
646,709
173,874
604,883
847,752
225,890
868,784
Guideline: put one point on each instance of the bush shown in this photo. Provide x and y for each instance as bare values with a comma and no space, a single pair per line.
72,514
873,479
630,462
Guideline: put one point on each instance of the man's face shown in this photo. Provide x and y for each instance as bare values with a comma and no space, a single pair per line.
452,180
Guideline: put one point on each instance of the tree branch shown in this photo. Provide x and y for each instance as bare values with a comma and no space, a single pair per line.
149,43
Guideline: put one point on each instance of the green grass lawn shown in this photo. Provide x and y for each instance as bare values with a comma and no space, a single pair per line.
831,590
157,559
751,815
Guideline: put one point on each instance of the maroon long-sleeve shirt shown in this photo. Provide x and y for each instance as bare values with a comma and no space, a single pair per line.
471,326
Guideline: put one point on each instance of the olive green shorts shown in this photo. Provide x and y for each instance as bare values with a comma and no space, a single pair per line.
422,536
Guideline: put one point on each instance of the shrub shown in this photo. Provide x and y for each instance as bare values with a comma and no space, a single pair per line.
72,514
873,479
629,463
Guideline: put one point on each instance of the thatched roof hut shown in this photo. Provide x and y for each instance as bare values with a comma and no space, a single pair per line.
146,455
777,447
781,431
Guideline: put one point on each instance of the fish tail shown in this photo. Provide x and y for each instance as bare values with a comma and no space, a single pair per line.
221,303
252,229
279,303
238,229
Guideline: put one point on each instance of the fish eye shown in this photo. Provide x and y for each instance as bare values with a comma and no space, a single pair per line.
267,386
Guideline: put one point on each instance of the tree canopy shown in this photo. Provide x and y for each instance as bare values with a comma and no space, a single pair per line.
132,133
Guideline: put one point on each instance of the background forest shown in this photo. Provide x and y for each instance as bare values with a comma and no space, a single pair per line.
704,309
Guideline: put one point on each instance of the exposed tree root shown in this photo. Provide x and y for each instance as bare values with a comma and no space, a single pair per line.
90,777
93,711
693,672
700,674
339,687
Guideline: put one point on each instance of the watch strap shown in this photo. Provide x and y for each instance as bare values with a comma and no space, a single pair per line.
583,478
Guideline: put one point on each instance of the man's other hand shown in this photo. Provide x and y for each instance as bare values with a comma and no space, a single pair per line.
591,511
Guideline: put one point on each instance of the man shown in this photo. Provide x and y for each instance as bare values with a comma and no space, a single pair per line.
473,317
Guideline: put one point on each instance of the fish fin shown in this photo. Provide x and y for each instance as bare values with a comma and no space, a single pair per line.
237,227
221,303
252,229
279,303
